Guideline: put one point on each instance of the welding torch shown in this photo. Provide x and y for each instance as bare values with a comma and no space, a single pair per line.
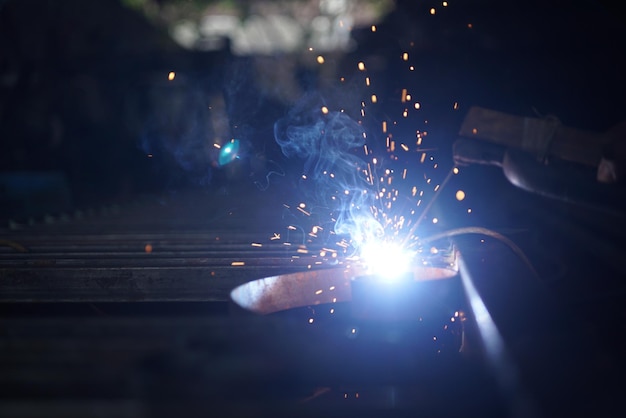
542,156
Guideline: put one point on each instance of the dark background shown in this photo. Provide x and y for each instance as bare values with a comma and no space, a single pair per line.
89,119
84,91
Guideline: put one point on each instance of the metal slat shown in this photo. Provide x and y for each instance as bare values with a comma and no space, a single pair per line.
210,283
200,248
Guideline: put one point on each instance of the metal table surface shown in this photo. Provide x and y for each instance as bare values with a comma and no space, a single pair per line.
193,247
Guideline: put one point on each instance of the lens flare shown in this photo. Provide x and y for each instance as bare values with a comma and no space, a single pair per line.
229,152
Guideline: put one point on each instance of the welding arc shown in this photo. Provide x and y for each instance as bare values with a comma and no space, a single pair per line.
490,233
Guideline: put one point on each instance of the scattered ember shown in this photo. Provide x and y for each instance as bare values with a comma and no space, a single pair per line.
392,186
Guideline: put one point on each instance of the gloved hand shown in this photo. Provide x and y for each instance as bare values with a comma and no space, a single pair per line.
612,167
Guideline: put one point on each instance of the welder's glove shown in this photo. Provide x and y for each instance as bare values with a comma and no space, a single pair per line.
612,167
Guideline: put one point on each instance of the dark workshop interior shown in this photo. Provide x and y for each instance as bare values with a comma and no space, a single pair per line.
312,208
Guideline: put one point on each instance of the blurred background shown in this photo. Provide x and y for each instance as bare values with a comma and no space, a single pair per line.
142,178
105,100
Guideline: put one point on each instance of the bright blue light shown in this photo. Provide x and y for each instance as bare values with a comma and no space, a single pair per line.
387,260
229,152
